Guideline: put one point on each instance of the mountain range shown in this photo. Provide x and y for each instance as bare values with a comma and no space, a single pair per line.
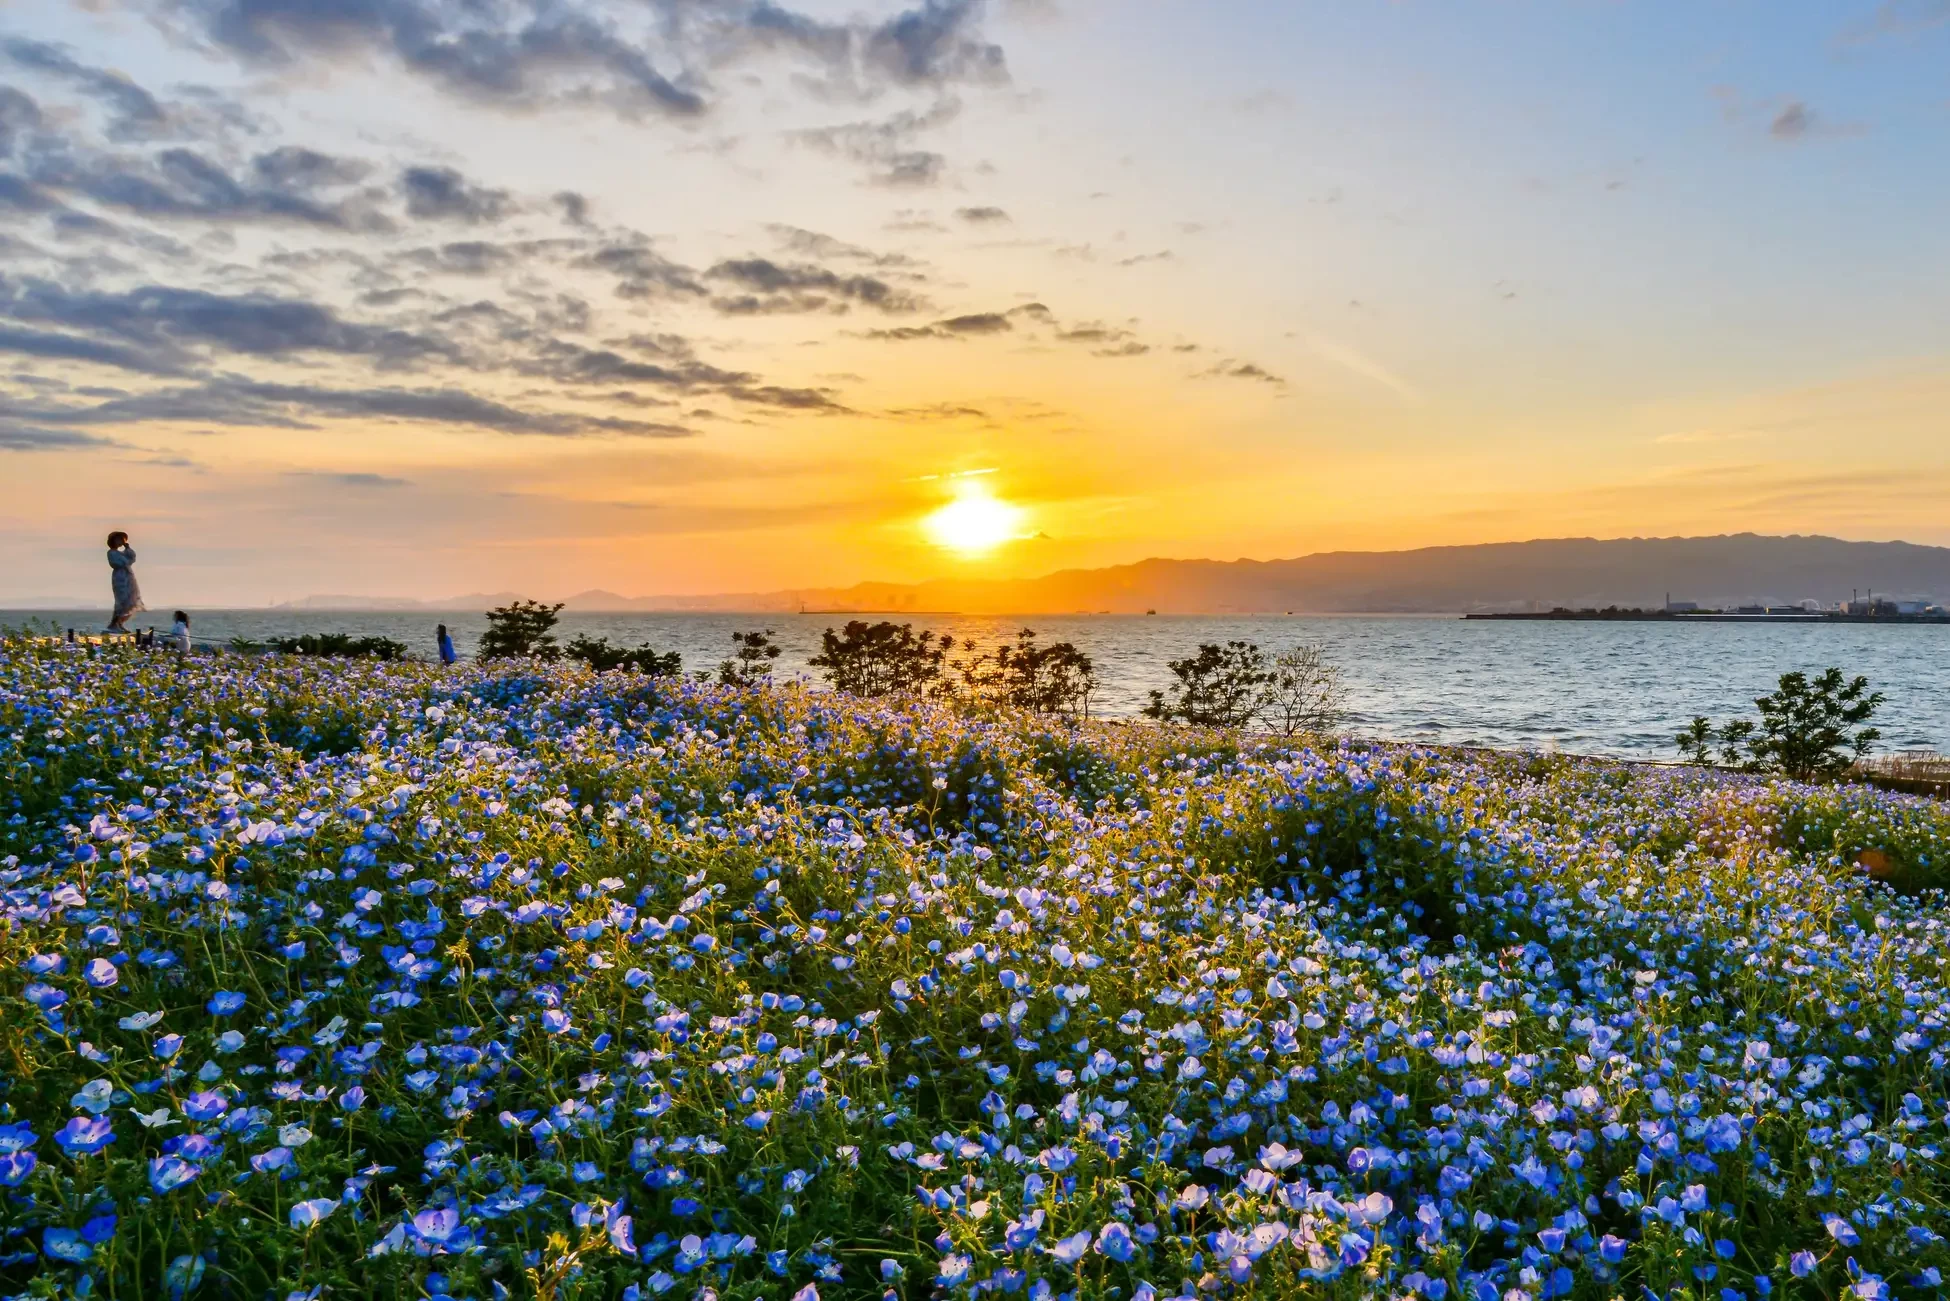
1726,570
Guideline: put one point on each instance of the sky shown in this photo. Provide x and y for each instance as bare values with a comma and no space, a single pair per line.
426,297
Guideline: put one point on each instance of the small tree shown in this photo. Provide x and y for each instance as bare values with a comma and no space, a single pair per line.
601,655
1053,679
1221,686
1804,730
1304,692
750,664
882,659
522,630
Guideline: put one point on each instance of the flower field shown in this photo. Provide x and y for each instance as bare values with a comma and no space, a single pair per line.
341,979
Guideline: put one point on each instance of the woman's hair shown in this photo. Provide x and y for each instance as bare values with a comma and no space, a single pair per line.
181,617
116,539
440,630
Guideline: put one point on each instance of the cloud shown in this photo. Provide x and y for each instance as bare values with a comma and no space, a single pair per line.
67,347
803,287
135,109
1359,363
954,327
1786,120
1899,18
351,478
472,257
164,325
249,403
27,438
1093,332
982,216
1139,259
1792,122
443,194
640,271
812,244
19,114
886,147
183,184
631,59
940,411
969,325
934,43
1242,370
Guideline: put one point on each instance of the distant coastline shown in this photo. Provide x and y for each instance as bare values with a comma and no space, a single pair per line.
1708,616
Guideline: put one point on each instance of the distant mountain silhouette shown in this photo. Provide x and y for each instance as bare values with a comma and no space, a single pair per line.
471,601
1729,570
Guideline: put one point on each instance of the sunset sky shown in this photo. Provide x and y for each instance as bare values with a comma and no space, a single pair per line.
417,297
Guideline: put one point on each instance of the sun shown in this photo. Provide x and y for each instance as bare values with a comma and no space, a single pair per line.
975,522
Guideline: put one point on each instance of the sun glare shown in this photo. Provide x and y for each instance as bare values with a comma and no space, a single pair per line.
974,522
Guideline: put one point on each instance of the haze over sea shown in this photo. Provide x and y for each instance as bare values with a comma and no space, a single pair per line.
1621,689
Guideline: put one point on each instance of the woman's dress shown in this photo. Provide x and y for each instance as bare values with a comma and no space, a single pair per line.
128,593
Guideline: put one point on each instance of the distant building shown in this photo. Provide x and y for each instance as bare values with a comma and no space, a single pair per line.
1680,607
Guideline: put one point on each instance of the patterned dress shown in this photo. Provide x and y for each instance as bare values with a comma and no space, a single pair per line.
128,593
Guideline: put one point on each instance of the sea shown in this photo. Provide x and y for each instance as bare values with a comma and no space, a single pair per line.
1599,688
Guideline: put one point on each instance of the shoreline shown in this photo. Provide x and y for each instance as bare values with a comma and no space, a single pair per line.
1662,616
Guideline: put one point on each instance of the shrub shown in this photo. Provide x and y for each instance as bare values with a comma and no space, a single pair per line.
600,654
1803,733
1053,679
339,645
882,659
751,662
523,630
1303,693
1221,686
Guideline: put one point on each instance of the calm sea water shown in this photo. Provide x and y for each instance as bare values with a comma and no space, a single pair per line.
1589,688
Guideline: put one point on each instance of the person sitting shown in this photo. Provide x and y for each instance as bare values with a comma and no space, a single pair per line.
447,655
179,633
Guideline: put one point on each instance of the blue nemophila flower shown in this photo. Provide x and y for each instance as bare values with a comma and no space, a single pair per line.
101,973
85,1135
204,1106
224,1002
66,1245
1115,1241
1841,1230
168,1173
15,1167
272,1159
307,1213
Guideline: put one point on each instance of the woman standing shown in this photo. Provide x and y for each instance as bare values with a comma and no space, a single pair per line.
128,593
